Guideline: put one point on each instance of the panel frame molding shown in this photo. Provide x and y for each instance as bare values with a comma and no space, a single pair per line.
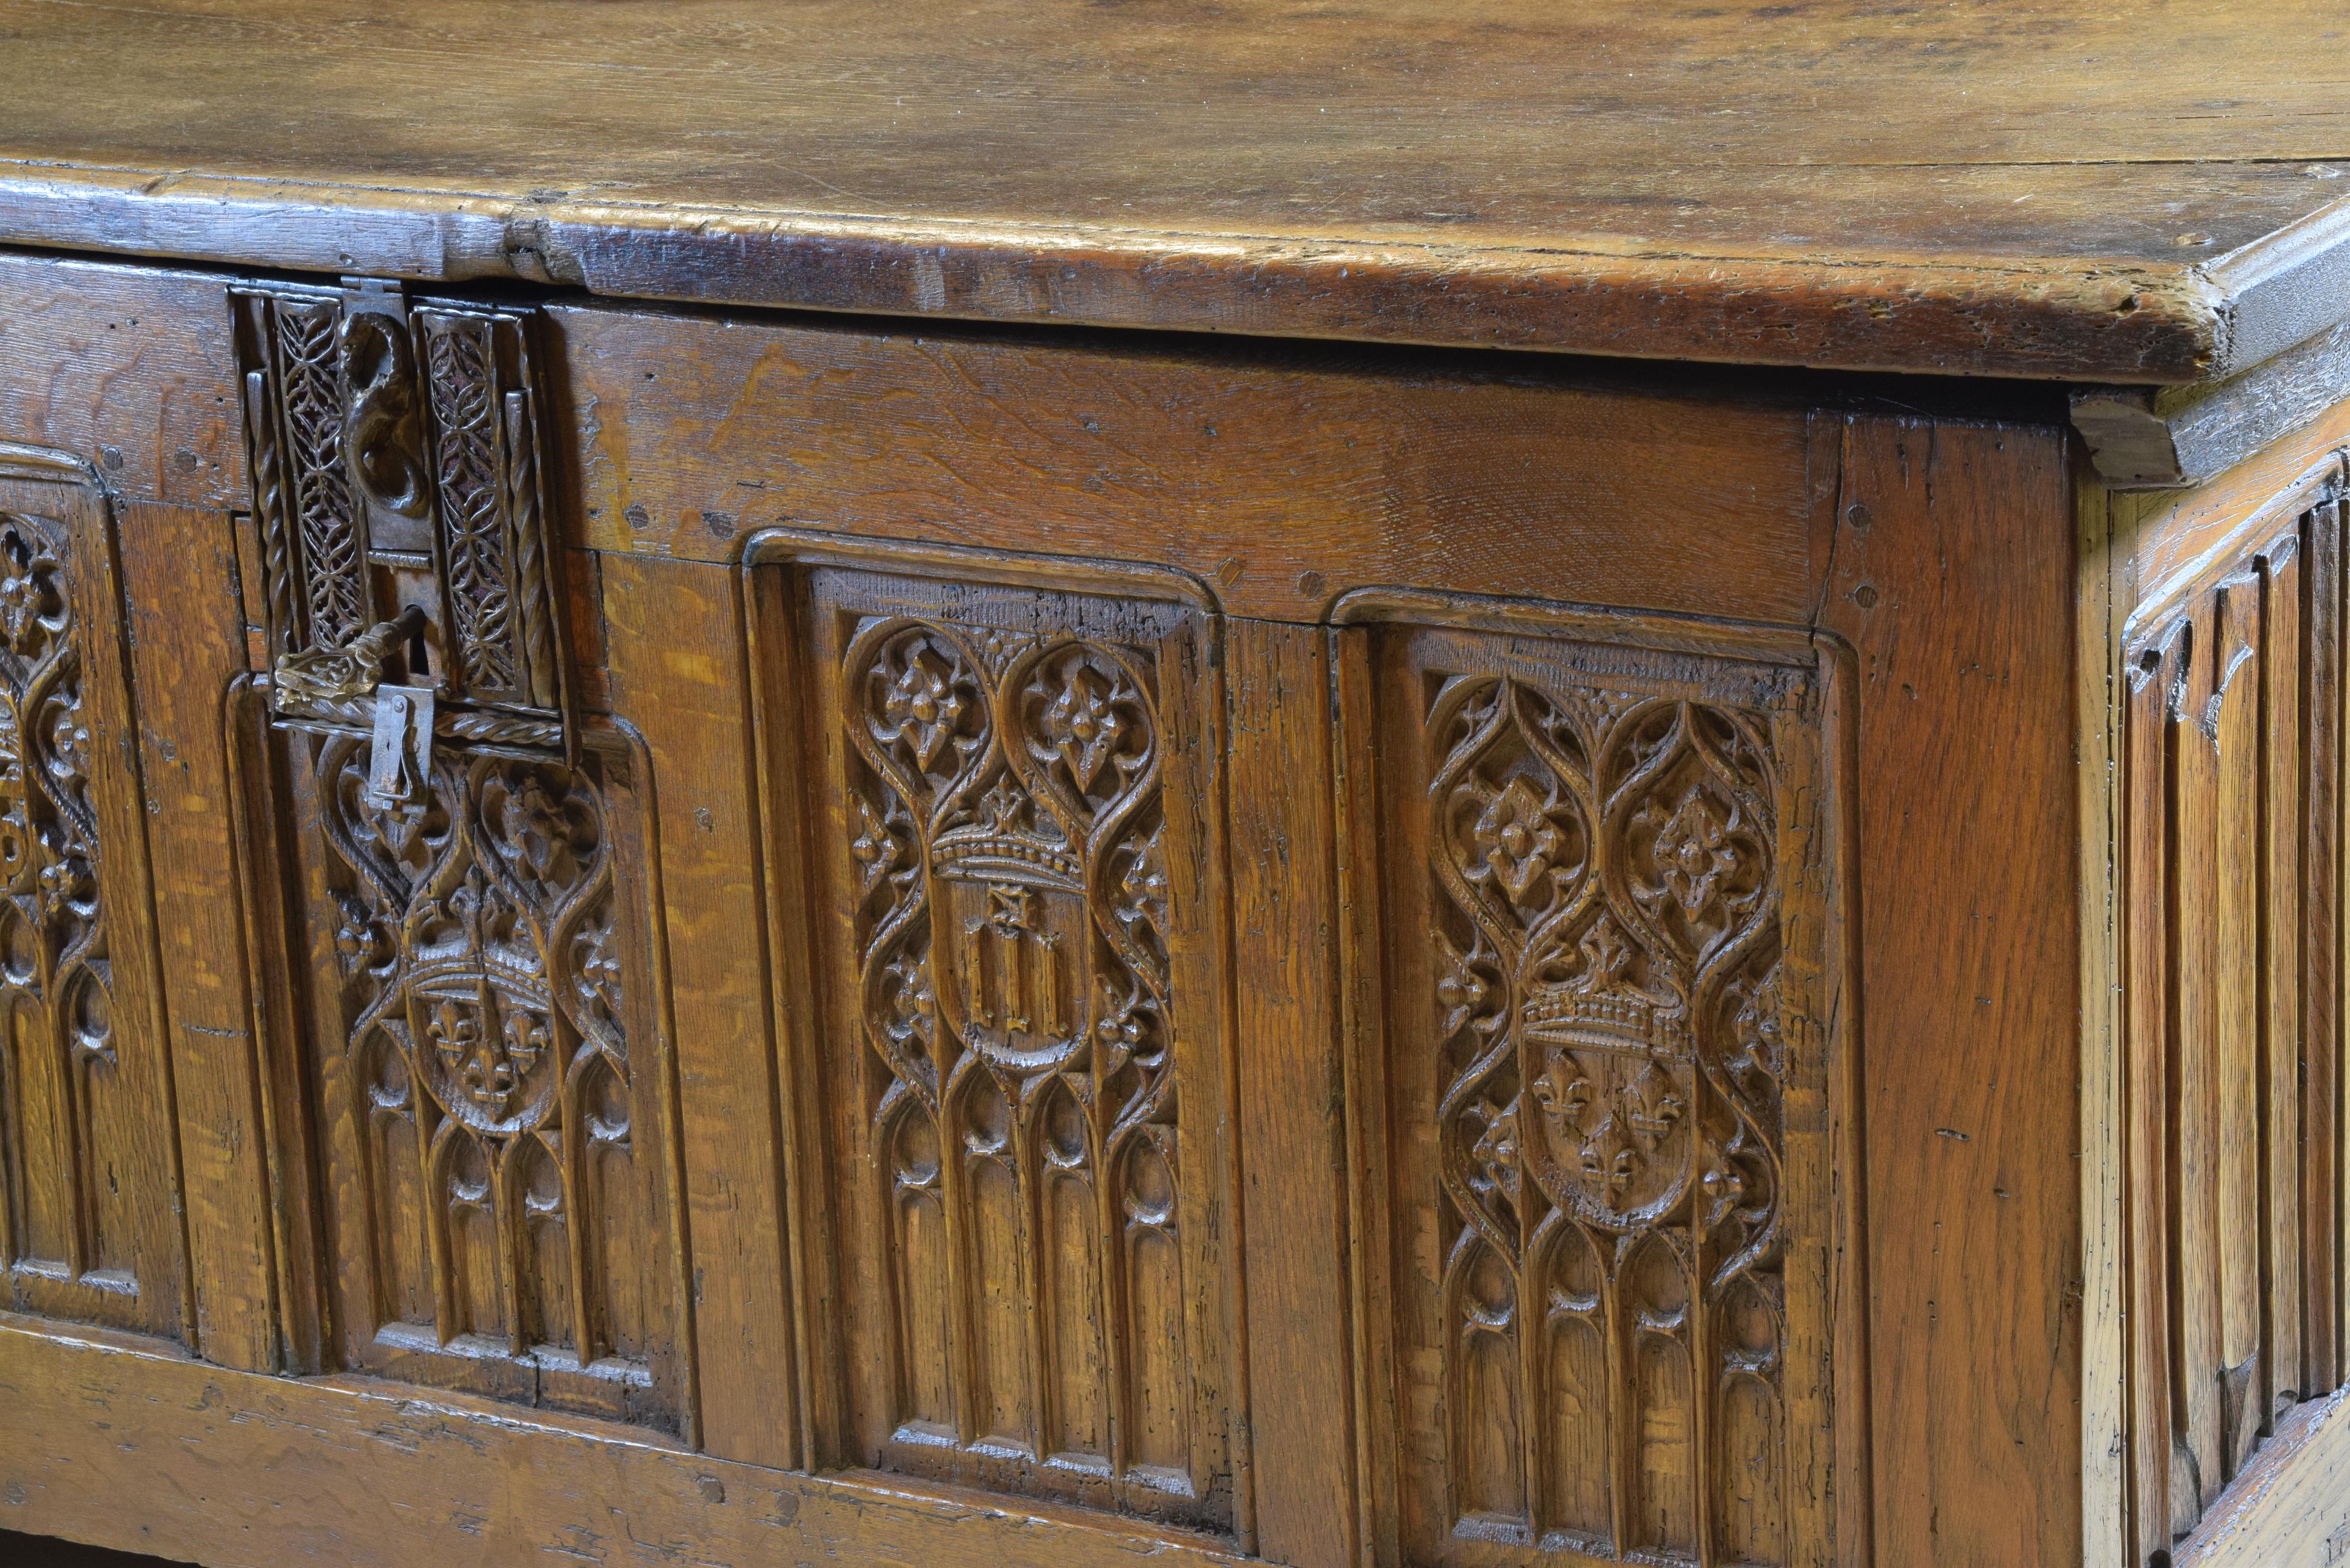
783,715
1827,1460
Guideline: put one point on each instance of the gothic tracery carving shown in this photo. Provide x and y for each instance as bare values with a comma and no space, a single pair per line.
1006,835
481,985
56,980
1611,1080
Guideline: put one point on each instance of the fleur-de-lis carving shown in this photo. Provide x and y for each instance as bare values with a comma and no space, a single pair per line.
1694,852
1082,723
524,1036
921,708
1651,1107
1563,1094
1519,841
1610,1177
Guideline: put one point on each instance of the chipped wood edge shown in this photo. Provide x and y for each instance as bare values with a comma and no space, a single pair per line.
2049,318
2144,437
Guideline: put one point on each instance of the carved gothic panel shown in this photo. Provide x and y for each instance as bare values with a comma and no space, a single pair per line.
1019,1041
1605,1059
87,1226
490,1090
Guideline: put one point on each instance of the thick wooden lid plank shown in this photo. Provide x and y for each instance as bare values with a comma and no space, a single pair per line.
2134,193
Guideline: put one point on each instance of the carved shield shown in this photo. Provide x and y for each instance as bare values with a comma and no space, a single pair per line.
1609,1136
486,1047
1013,963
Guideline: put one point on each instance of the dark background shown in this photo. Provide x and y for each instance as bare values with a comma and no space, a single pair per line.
40,1552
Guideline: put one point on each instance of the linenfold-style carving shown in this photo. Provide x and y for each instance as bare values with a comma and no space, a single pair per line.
2232,1053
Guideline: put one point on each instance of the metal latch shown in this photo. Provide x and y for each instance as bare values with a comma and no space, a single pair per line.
348,684
399,764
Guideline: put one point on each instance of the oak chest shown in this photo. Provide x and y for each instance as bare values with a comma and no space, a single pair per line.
1035,783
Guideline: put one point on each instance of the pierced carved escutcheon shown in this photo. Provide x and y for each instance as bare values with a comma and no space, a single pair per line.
394,454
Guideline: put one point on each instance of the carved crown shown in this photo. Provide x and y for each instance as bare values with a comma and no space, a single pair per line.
1003,846
1609,1020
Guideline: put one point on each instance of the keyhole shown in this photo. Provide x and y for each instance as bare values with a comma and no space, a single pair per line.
419,654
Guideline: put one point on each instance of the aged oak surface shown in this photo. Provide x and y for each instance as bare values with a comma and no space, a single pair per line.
647,913
2135,193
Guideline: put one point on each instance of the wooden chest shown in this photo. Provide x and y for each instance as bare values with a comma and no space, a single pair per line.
1039,783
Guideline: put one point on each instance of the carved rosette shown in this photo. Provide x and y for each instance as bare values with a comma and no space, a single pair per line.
1006,838
481,990
1611,1151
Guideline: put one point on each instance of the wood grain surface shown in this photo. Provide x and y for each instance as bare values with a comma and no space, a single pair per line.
2138,194
357,1471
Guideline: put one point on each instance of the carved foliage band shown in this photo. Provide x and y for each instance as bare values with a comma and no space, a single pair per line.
55,984
507,1215
1007,827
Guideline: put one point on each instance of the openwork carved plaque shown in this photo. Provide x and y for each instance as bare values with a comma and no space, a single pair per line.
1602,956
85,1200
1022,1041
495,1144
394,455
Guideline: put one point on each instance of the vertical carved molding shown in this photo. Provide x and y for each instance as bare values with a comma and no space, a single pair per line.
1033,1033
328,529
2232,1060
1610,1297
461,363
